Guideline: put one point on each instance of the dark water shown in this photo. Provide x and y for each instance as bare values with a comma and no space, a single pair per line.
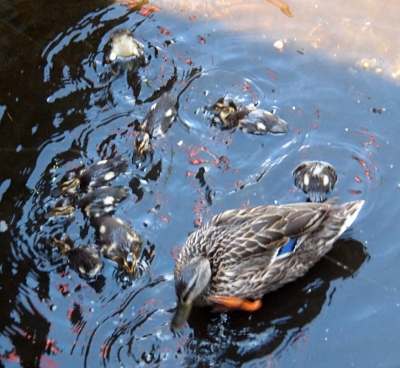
62,107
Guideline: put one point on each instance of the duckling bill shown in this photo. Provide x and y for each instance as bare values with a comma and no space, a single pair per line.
249,119
315,178
118,242
240,255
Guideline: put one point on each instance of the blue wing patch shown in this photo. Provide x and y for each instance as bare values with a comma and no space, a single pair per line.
288,248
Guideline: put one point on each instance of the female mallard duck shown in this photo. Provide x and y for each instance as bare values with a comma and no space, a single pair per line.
157,121
118,242
249,119
243,254
85,259
97,175
315,178
124,44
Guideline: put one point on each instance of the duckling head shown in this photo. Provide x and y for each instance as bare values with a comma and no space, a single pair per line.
190,282
124,44
142,143
64,243
129,263
226,112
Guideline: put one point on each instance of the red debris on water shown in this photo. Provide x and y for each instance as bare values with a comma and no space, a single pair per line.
176,249
192,17
201,39
371,137
165,219
164,31
357,179
352,191
367,171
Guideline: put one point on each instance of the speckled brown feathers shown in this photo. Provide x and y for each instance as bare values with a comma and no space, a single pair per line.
243,246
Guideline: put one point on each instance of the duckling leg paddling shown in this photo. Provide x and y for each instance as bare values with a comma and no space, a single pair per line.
243,254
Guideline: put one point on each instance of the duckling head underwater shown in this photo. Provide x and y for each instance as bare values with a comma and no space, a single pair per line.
315,178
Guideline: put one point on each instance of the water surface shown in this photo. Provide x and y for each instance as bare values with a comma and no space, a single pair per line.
61,107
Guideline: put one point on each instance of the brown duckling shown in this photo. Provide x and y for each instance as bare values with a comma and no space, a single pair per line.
85,259
249,119
124,45
315,178
99,174
157,121
102,200
63,207
118,242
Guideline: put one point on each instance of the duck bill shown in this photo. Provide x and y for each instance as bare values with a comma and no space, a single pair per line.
180,317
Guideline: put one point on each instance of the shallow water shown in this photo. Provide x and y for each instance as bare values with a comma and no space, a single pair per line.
61,107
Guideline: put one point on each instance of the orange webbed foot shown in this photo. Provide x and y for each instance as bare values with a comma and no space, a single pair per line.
231,302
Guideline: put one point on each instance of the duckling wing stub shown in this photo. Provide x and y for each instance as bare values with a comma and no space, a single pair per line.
261,122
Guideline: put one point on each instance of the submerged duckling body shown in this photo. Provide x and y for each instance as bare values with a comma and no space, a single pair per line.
84,259
124,45
249,119
118,242
315,178
157,121
245,253
97,175
102,200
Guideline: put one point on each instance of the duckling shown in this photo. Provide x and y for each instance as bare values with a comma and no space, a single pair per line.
102,200
85,259
97,175
63,207
118,242
315,178
124,45
249,119
157,121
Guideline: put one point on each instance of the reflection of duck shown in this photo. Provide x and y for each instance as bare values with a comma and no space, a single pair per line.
102,200
157,121
243,254
118,242
94,176
316,178
85,259
124,44
249,119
